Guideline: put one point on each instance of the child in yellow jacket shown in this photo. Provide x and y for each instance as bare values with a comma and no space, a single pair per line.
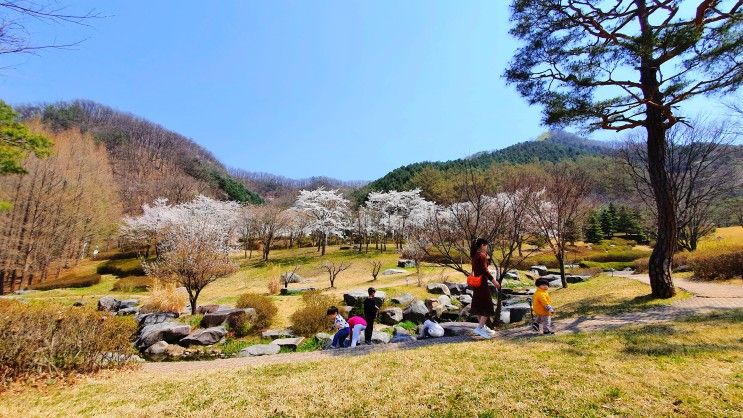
542,307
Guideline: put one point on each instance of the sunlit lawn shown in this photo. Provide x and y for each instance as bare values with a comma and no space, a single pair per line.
687,368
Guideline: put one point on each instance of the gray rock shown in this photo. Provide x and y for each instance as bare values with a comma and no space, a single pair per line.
513,275
458,328
576,279
206,336
404,299
324,339
379,337
278,333
390,272
416,312
444,300
154,318
541,270
219,317
207,309
404,262
357,297
290,277
438,289
556,284
79,302
345,311
108,303
290,343
400,331
260,350
402,339
170,332
157,348
465,299
391,316
518,311
128,311
128,303
456,288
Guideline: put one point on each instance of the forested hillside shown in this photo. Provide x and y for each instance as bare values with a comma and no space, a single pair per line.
277,187
552,146
148,160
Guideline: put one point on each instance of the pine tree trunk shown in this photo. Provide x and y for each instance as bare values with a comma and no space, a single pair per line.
561,262
659,266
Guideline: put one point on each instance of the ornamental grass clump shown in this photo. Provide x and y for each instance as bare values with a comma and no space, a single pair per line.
265,308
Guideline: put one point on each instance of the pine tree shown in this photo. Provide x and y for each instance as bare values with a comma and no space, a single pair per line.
593,232
608,219
623,220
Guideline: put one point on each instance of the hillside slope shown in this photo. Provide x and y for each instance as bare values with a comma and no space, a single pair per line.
552,146
149,161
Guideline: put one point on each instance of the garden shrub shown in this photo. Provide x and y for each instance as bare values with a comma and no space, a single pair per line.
122,268
54,341
720,263
133,284
69,281
240,325
641,265
264,306
164,297
622,255
274,285
312,318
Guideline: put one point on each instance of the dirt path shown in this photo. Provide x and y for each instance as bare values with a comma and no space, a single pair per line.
708,297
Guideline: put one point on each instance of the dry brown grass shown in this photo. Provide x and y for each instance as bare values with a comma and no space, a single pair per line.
164,298
677,369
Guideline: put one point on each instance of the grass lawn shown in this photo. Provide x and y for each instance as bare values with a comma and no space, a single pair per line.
687,368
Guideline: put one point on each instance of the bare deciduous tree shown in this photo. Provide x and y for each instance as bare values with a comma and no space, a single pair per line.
334,269
376,267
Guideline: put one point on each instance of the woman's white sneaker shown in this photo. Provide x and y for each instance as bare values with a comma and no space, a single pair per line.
483,333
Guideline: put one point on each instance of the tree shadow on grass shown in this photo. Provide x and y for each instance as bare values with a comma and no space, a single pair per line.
601,305
657,340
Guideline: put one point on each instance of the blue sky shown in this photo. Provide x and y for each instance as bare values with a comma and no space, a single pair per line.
346,89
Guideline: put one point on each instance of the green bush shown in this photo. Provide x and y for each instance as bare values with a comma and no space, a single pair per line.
264,306
312,318
69,281
54,341
122,267
240,325
718,264
133,284
609,265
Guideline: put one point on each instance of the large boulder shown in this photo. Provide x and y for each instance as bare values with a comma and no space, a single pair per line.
465,299
170,332
444,300
402,338
206,336
278,333
379,337
108,304
207,309
154,318
404,262
158,348
290,343
128,311
512,275
260,350
518,311
324,339
456,288
580,279
174,351
416,312
390,272
357,297
391,316
128,303
540,270
290,277
452,329
405,299
218,318
438,289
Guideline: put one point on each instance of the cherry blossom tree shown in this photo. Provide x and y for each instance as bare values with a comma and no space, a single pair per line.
195,241
328,211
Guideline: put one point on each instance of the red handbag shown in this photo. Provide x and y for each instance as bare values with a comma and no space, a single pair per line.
474,281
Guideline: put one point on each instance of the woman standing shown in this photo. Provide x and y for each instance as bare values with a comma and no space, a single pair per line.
482,302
